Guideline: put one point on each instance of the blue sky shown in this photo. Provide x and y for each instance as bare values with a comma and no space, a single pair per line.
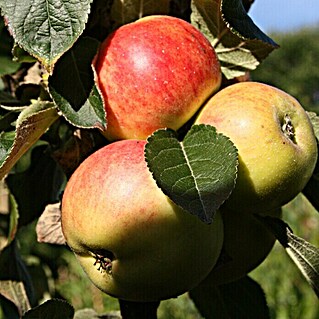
284,15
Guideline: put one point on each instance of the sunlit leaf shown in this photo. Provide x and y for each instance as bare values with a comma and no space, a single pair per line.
239,43
304,254
31,124
48,227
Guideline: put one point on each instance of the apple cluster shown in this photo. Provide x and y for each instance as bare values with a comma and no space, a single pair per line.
130,238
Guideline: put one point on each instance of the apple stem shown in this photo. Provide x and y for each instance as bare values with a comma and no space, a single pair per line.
138,310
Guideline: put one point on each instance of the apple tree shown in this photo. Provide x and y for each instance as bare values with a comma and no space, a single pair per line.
56,115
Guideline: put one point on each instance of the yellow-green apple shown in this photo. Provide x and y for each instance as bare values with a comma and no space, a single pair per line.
275,140
247,243
154,73
133,242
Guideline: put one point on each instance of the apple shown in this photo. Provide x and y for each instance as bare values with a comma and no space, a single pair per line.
276,144
133,242
154,73
247,243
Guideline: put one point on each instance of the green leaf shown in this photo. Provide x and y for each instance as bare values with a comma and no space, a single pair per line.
304,254
31,124
242,299
46,28
199,173
51,309
72,86
239,43
125,11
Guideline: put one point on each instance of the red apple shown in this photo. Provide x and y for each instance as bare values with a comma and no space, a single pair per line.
131,239
154,73
276,144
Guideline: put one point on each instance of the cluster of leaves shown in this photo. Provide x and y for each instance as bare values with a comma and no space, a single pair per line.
52,116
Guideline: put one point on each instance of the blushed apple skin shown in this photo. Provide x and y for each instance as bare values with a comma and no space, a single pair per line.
273,168
112,203
154,73
247,243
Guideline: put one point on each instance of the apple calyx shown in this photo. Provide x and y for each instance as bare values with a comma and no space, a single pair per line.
103,261
288,129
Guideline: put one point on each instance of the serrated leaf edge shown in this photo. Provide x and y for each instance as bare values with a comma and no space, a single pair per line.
175,136
48,65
